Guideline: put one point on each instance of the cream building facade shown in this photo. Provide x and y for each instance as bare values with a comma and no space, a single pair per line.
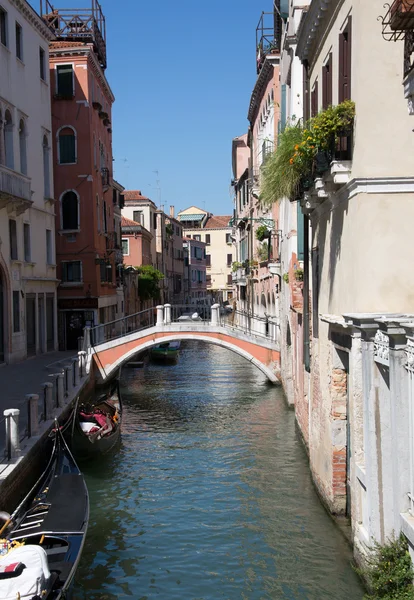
215,232
27,224
355,407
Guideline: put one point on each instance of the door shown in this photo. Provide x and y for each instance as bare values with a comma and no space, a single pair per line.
1,320
31,324
75,323
50,322
41,321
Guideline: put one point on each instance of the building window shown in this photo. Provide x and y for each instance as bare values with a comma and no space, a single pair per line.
67,146
70,211
327,84
208,260
197,238
208,242
42,64
13,239
138,217
46,166
3,27
16,312
106,272
105,217
49,247
314,100
228,238
125,246
8,140
64,81
229,280
26,242
229,259
94,151
72,272
22,147
19,41
344,75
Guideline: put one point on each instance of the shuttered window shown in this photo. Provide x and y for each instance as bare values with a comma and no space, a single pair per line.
314,100
208,260
64,74
72,271
229,259
344,75
327,84
306,99
67,147
208,242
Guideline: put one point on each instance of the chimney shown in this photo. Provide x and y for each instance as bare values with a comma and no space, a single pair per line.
172,212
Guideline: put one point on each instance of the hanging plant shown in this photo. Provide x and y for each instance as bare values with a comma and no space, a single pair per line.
262,233
305,151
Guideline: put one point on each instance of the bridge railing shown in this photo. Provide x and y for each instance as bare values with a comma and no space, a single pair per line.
190,312
124,326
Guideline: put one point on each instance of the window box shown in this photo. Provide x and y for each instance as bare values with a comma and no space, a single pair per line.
103,115
97,106
402,15
341,171
106,122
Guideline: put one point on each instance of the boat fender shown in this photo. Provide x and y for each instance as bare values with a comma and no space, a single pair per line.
4,516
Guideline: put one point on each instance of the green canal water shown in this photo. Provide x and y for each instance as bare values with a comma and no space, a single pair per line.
209,494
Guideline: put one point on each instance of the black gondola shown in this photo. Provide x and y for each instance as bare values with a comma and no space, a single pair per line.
94,428
44,537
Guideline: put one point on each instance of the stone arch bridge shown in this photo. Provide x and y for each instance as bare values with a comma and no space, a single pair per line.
109,348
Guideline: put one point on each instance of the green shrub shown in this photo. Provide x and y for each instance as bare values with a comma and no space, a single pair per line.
389,571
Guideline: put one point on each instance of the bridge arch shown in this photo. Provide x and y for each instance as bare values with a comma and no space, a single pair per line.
109,357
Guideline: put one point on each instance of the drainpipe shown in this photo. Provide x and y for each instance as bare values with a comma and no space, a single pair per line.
306,275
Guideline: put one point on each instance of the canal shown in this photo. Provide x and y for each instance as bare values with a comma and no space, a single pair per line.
209,495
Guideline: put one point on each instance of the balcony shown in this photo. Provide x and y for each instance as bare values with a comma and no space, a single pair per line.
239,277
398,20
15,190
85,25
268,37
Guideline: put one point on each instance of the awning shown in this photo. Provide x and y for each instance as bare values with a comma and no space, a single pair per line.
191,217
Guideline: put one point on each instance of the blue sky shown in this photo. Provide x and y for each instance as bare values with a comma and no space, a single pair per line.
182,73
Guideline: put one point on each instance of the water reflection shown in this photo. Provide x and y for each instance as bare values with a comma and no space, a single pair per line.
209,495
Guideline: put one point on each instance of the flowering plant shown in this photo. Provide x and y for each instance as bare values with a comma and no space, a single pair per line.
298,146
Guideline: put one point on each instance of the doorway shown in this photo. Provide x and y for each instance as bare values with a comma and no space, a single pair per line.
75,323
50,322
41,321
31,324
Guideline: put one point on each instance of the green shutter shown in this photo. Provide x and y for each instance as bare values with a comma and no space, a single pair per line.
65,80
67,149
284,8
300,223
283,108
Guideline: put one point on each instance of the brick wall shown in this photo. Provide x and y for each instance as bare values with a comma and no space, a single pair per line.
338,389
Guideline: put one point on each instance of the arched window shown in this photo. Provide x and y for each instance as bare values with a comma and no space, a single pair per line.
46,166
22,147
70,211
8,140
67,146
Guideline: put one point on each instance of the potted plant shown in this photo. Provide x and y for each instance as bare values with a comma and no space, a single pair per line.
402,15
299,274
235,266
262,233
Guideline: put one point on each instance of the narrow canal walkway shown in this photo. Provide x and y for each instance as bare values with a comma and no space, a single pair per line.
209,495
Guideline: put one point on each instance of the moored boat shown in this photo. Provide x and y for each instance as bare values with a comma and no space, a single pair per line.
167,351
42,540
94,428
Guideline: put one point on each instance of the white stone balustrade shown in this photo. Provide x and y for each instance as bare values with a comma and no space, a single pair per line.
12,432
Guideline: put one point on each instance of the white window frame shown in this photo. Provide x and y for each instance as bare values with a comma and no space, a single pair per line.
21,57
61,213
58,145
6,18
41,49
122,243
65,64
